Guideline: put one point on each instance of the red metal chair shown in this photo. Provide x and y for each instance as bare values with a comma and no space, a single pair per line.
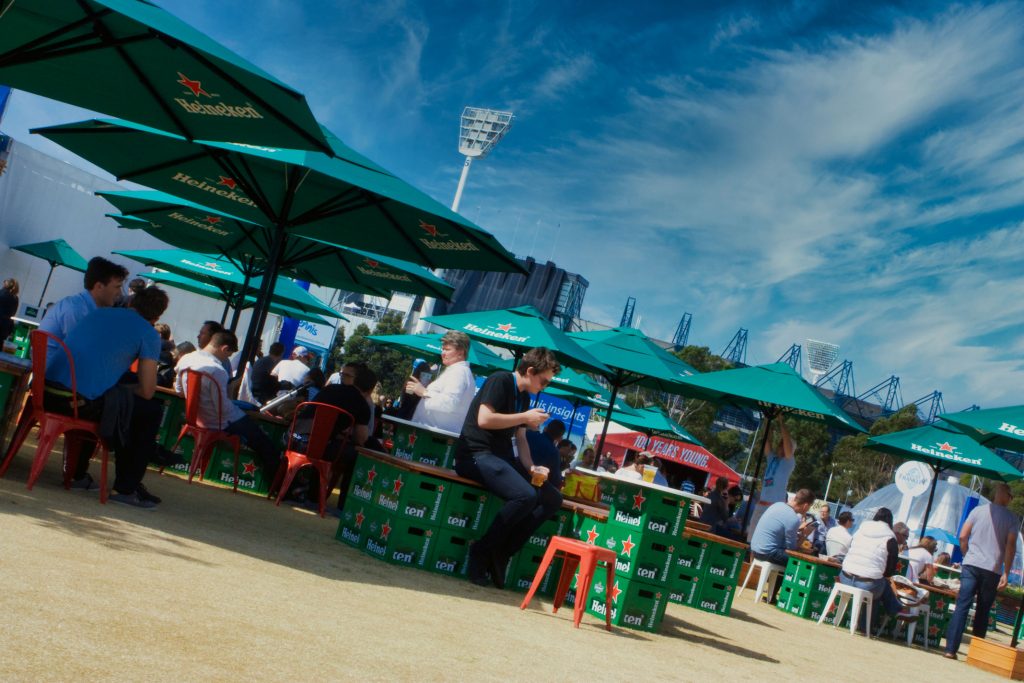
575,554
53,425
205,438
324,425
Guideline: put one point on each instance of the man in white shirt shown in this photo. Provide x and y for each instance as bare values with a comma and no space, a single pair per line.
838,538
229,418
446,401
295,370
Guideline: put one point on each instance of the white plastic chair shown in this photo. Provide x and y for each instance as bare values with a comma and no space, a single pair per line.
917,611
770,573
846,593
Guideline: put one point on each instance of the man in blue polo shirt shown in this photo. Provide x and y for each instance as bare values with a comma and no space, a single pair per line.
104,344
781,528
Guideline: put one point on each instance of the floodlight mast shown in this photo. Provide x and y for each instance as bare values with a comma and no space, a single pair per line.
820,357
479,131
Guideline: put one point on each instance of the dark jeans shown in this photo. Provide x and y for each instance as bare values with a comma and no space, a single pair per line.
526,506
256,439
131,460
974,581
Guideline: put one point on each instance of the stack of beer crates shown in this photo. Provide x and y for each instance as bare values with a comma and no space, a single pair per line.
805,589
705,573
644,527
420,445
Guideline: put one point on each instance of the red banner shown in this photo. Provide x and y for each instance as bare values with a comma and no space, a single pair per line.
688,454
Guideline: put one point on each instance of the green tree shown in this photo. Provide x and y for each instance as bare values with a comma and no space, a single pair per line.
391,366
861,470
813,455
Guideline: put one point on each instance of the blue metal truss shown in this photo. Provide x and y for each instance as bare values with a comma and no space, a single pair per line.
627,313
736,351
682,335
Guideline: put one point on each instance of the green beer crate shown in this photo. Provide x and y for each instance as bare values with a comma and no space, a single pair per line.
724,563
398,540
560,524
642,509
352,528
648,557
412,494
715,597
365,478
221,470
449,552
684,589
784,597
523,568
422,445
690,556
469,508
635,604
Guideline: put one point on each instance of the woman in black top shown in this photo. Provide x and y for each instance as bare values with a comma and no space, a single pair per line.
8,306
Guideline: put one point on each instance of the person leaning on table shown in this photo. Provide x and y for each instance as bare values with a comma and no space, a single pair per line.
782,527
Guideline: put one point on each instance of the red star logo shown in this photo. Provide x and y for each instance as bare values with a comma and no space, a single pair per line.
506,327
213,220
412,439
249,468
440,489
592,536
429,533
933,631
628,545
360,518
371,475
638,500
946,447
370,262
658,595
483,499
940,605
385,530
430,229
195,86
229,183
671,548
397,487
614,592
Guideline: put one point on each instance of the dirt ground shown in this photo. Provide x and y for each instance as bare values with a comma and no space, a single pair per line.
220,587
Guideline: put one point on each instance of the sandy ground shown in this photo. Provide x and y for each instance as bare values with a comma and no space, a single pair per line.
221,587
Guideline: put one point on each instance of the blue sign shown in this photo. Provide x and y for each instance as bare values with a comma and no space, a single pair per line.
561,409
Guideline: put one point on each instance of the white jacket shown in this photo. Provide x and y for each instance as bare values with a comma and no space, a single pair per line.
868,553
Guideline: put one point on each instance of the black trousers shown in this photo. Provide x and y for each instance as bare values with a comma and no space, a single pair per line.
130,460
526,506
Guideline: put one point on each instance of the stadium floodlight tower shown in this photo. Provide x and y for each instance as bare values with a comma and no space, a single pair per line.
480,131
820,357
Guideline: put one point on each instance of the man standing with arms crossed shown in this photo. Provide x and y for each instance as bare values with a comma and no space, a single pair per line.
988,540
493,435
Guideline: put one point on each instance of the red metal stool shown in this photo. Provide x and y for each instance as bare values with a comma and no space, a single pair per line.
575,554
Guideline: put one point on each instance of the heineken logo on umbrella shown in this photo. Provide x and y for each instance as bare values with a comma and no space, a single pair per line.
215,187
1011,429
210,266
194,89
431,240
208,224
504,331
373,269
946,451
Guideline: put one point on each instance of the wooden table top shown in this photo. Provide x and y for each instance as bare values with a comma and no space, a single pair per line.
814,558
721,540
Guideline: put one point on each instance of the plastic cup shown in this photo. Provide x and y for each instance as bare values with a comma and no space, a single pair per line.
649,472
539,475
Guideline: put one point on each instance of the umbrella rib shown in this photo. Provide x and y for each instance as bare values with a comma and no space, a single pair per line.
66,48
280,116
324,210
129,175
5,58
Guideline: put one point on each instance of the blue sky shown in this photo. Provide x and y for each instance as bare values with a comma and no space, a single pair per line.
850,172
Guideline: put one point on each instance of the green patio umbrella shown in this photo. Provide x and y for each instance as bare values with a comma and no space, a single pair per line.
129,222
519,329
342,200
653,421
633,359
188,225
574,382
771,389
480,357
130,58
56,253
992,427
226,278
205,289
944,449
598,399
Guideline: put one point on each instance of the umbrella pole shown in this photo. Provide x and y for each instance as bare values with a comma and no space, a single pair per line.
224,313
262,304
607,419
572,421
931,497
768,416
241,302
46,285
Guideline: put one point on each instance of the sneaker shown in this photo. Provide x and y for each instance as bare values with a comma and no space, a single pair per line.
144,494
133,499
476,569
85,483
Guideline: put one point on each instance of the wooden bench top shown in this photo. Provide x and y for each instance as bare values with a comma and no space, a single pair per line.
707,536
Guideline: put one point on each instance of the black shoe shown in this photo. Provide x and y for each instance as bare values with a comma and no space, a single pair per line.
144,494
168,458
132,499
497,565
84,483
476,569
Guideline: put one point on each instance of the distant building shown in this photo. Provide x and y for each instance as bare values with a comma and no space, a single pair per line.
555,292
